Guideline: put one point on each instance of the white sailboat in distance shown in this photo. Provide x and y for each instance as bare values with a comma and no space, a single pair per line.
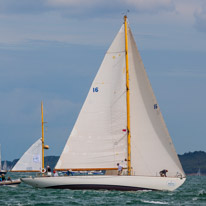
120,120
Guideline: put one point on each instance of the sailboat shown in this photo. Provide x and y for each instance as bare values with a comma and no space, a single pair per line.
2,171
120,120
33,159
198,173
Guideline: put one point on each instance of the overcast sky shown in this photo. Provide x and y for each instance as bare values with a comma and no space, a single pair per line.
50,50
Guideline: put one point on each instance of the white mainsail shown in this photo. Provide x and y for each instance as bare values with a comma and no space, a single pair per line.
31,160
99,139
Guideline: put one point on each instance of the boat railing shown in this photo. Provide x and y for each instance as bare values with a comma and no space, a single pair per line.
72,173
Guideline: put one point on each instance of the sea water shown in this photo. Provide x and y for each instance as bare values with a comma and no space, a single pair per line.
192,192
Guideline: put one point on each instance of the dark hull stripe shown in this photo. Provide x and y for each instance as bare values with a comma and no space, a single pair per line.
98,187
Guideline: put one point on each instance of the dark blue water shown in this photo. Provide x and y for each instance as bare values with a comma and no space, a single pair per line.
193,192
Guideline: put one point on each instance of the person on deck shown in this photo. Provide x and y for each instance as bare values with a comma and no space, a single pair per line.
55,173
69,172
163,173
120,168
9,179
48,170
0,178
3,177
124,163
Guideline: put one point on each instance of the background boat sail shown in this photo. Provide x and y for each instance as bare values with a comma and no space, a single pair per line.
198,172
5,167
2,171
120,119
33,159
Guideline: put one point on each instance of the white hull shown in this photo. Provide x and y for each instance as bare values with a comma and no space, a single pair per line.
12,182
126,183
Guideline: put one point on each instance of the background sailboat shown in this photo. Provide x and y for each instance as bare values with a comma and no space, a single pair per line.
33,159
120,119
5,167
198,172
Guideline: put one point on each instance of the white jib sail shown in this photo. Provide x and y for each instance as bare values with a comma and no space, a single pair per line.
98,139
31,159
152,149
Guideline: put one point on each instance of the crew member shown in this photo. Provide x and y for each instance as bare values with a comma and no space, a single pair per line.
163,173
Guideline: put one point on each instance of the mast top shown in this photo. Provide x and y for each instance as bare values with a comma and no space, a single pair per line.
125,16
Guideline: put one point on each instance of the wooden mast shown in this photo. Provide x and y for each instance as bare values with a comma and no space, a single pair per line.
128,100
42,126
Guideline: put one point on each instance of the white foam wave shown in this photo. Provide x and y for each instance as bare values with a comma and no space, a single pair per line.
155,202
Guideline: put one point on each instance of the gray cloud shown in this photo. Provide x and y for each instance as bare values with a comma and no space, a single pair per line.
88,7
200,19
